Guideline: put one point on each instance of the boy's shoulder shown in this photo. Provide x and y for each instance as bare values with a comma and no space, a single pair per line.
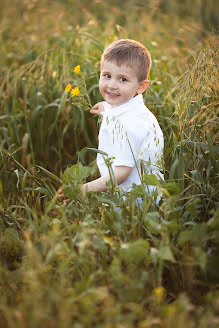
133,116
140,115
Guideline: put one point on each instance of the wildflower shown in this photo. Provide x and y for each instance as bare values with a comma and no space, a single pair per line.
27,236
75,92
77,69
28,239
68,87
159,293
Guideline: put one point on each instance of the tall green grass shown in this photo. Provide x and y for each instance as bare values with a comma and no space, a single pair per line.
86,264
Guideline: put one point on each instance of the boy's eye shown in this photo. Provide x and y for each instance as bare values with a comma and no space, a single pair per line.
123,79
107,76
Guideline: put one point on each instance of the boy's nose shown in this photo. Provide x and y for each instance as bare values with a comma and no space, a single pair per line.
112,84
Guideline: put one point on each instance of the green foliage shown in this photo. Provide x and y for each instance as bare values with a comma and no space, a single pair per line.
73,178
135,252
77,173
103,260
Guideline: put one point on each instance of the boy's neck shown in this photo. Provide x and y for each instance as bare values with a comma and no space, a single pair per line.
114,106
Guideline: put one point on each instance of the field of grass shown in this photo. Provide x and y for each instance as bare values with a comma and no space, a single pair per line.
86,264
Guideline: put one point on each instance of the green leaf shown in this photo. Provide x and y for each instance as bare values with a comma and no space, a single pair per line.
173,168
42,190
203,145
171,188
134,252
51,175
172,226
77,173
115,268
152,216
173,214
165,253
184,237
72,190
196,236
181,170
150,179
98,151
211,151
139,191
152,223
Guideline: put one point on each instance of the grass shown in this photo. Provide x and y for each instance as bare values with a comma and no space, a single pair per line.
87,264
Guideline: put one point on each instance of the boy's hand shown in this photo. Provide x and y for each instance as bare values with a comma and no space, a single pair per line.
62,196
98,109
65,199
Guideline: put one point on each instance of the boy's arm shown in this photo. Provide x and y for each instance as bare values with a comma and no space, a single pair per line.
121,174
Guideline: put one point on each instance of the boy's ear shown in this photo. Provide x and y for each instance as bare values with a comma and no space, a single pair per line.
143,86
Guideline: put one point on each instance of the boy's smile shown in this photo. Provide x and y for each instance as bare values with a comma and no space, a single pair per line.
118,84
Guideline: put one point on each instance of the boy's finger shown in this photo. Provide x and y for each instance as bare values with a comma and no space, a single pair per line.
96,112
61,196
61,193
96,106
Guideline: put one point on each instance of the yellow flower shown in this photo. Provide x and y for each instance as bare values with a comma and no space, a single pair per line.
75,92
159,293
68,87
77,69
27,236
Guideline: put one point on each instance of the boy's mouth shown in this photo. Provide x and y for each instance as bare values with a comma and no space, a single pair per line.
111,94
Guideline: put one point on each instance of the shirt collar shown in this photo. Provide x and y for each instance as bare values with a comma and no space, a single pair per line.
119,110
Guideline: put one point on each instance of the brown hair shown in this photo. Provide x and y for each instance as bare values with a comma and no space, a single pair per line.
130,52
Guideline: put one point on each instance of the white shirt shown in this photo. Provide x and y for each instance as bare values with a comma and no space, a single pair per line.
130,133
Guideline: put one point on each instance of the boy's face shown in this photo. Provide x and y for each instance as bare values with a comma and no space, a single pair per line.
118,84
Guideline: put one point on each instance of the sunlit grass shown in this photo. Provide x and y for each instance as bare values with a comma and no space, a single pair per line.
86,264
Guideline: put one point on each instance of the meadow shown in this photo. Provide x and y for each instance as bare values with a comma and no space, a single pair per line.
85,264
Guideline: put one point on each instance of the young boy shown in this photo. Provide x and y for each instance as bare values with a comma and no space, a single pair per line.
129,132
